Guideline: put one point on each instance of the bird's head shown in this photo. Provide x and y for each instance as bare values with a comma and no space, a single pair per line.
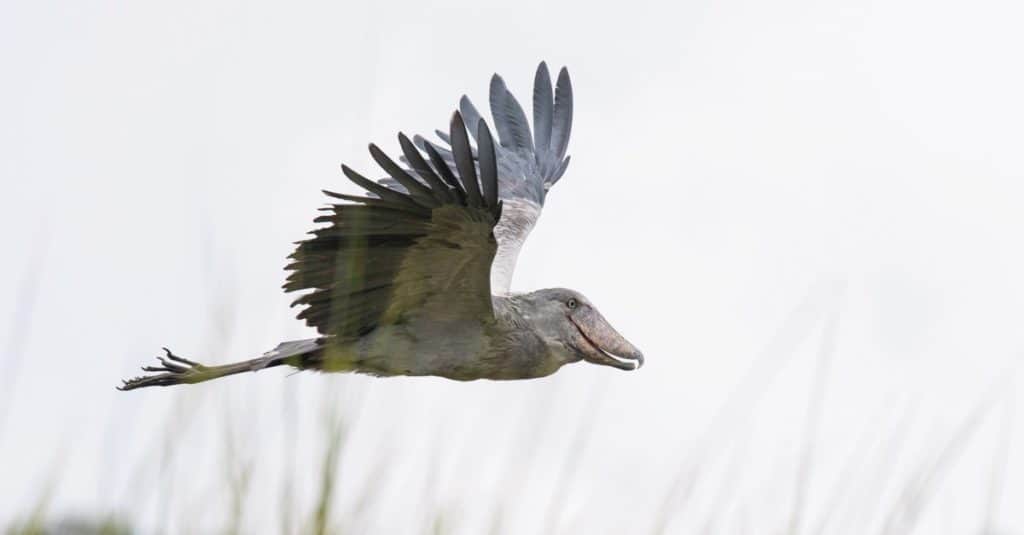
569,319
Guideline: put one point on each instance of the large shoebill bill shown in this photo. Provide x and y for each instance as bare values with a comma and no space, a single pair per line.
413,277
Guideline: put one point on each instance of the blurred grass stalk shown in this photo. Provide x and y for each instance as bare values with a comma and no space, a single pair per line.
338,424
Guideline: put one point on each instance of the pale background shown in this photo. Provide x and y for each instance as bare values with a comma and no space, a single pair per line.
807,214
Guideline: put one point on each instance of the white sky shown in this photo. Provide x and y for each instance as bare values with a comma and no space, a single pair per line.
741,172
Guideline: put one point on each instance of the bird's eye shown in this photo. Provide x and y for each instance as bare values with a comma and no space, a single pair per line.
571,303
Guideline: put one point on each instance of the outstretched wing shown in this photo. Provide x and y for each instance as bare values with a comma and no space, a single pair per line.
424,248
528,163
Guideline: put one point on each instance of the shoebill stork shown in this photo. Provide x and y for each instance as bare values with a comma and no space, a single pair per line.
412,277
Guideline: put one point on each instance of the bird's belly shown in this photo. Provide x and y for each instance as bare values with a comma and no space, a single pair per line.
452,351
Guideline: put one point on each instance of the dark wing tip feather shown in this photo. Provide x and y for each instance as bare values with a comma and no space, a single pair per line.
464,160
418,164
488,164
386,194
420,193
446,172
469,114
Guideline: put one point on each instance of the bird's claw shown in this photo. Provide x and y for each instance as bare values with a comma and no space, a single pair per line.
173,370
182,360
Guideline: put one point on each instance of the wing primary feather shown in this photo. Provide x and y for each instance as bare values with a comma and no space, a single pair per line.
561,169
389,182
543,97
417,191
381,191
558,172
464,160
421,143
488,164
445,172
371,201
470,115
497,98
562,120
418,164
509,118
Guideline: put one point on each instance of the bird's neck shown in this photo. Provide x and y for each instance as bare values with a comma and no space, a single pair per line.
517,219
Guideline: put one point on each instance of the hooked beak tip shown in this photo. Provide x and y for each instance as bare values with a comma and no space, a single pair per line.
622,362
638,357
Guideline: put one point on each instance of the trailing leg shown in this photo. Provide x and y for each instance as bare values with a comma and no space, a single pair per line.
175,370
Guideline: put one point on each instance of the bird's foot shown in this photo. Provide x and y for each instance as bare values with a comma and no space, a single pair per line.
173,370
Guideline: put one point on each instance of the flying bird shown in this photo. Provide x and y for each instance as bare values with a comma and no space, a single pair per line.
413,276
